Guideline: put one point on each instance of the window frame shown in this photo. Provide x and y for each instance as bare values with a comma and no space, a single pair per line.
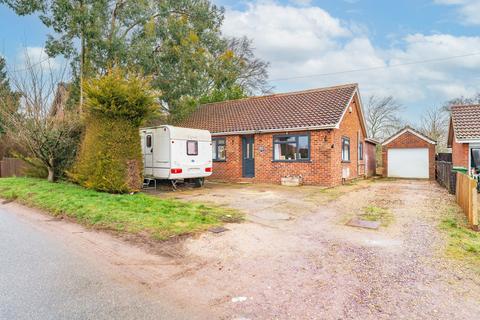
148,140
216,148
345,139
296,136
472,160
196,147
360,150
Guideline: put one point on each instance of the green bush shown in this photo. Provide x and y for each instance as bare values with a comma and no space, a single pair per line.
110,157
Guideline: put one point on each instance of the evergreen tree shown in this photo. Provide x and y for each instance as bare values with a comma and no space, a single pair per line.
177,42
110,157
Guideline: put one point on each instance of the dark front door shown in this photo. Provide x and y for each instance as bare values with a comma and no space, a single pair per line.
248,162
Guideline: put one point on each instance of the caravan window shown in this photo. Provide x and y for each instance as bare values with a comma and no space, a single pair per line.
148,141
192,148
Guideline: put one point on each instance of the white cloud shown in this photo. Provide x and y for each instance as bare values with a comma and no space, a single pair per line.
469,9
36,57
285,33
300,41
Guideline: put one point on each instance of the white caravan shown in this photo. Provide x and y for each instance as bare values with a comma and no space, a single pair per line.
176,153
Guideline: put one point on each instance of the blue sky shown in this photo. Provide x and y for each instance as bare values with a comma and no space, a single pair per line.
302,37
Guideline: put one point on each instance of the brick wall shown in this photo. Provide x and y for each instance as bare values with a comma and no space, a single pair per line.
350,127
459,154
231,169
325,165
409,140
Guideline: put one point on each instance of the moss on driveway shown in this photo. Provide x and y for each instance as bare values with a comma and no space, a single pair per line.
463,243
138,213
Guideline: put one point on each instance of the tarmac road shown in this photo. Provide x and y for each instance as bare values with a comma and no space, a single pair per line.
42,278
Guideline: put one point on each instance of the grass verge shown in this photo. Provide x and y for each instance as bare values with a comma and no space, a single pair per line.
463,243
136,214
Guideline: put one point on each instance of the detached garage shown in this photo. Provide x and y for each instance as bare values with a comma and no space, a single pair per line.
409,154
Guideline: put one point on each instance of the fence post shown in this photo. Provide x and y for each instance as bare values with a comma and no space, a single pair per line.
474,207
457,194
469,201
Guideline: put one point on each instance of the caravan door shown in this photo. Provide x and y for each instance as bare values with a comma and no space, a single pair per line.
148,153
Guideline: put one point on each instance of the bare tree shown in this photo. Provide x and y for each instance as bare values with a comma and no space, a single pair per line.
383,116
51,140
434,124
462,101
253,75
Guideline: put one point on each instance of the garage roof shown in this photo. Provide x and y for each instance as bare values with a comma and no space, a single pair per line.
412,131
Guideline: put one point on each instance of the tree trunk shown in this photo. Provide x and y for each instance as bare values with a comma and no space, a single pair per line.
51,174
82,60
82,70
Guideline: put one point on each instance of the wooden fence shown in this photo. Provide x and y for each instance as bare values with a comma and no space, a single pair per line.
10,167
467,198
445,177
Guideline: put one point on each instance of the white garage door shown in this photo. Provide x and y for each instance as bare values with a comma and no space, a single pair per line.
408,163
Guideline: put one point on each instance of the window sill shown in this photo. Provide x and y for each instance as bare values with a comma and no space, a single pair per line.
343,161
219,160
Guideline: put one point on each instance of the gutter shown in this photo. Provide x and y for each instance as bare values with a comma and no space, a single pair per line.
467,141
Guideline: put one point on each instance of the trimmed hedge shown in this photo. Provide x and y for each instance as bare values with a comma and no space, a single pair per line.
110,157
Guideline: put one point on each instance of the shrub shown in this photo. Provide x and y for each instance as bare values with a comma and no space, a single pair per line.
110,157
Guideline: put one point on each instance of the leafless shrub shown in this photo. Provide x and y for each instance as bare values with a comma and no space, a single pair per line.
50,137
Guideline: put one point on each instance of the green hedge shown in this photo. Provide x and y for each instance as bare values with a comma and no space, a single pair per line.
110,157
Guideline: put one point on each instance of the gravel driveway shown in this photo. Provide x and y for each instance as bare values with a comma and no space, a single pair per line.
295,259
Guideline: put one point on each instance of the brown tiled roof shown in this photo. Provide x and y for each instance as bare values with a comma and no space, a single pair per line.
466,122
305,109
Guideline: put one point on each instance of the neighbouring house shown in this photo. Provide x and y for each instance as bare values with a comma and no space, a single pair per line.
371,157
316,134
464,136
409,154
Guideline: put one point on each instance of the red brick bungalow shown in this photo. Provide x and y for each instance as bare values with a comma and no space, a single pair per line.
464,136
316,134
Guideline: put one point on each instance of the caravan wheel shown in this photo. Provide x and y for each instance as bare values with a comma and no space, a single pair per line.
199,182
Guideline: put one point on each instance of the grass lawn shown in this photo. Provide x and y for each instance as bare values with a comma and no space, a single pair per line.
463,243
138,213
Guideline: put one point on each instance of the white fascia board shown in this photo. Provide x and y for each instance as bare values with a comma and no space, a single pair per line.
467,140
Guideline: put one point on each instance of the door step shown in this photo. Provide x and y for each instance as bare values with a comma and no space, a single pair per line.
245,180
147,183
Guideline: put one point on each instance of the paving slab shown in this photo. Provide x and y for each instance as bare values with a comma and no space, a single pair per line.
359,223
